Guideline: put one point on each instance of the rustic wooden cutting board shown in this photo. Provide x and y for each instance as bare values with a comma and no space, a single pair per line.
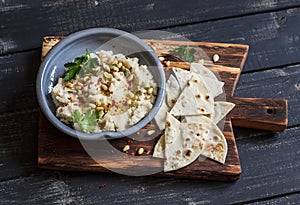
61,152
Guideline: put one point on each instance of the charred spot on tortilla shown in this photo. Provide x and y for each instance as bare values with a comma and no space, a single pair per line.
208,115
198,96
209,147
219,147
201,109
173,101
207,97
198,134
168,124
188,84
196,81
215,138
187,153
178,152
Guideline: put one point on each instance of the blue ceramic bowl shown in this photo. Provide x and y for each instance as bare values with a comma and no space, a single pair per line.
95,39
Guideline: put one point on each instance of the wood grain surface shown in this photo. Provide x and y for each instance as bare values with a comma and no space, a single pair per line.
62,18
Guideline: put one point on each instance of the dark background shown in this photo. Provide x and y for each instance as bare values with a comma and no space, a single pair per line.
270,162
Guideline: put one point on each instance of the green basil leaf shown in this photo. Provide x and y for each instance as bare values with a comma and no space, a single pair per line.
70,65
71,73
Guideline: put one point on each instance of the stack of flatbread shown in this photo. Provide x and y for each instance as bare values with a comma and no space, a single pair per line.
190,96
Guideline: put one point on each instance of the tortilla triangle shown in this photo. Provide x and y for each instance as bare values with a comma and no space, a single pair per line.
160,117
221,109
182,145
183,76
195,99
159,149
215,146
203,71
173,91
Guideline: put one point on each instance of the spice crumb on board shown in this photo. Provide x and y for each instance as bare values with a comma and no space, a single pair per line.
126,148
102,185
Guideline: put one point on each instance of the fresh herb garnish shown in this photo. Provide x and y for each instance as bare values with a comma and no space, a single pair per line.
80,66
91,63
185,53
86,121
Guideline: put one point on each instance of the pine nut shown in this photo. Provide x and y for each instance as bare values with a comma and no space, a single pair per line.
141,151
104,87
126,148
151,132
78,87
216,58
150,90
69,85
99,108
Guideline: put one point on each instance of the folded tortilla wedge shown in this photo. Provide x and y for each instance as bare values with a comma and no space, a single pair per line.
195,99
183,144
221,109
173,91
183,76
159,149
160,117
215,146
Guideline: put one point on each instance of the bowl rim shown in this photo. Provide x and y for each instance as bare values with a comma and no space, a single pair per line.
101,135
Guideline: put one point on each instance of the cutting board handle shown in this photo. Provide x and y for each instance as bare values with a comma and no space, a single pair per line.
260,113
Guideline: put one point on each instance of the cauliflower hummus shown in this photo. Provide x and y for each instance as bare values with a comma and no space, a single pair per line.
104,92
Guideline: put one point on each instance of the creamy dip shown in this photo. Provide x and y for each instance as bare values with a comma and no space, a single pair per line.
108,93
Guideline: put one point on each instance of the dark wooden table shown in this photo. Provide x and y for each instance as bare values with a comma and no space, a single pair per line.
270,162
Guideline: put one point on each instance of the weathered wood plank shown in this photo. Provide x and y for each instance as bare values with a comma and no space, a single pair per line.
18,144
24,23
260,113
270,168
293,199
274,83
273,37
17,81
